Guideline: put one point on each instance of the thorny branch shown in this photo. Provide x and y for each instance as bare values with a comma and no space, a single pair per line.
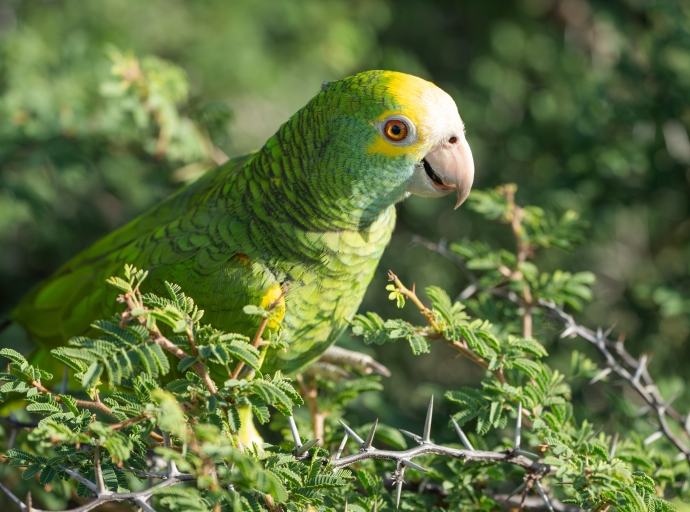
103,495
536,470
636,376
515,455
618,359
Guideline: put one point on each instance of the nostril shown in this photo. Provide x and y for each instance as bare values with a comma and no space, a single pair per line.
453,140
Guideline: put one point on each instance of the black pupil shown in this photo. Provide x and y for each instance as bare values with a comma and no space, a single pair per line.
396,130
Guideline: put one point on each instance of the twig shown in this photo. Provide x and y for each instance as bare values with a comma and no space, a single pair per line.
361,362
198,366
644,385
536,470
257,341
98,405
431,318
467,455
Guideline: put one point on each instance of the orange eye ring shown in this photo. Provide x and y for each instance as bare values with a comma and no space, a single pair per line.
395,130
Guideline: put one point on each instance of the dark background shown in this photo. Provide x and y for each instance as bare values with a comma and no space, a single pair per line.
583,104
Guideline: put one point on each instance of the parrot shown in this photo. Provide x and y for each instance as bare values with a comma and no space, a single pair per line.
314,207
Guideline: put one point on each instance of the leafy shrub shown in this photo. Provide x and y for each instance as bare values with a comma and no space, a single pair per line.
157,395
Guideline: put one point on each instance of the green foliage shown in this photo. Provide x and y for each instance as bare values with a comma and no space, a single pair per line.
516,371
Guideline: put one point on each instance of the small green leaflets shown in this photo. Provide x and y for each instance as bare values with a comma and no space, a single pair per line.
253,310
170,415
419,344
13,356
186,363
91,376
396,295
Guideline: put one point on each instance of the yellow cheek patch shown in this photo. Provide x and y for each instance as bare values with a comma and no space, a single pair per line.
273,295
383,147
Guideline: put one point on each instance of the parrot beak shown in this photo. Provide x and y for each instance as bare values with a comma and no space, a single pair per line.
446,168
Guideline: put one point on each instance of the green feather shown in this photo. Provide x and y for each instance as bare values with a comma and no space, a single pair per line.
312,207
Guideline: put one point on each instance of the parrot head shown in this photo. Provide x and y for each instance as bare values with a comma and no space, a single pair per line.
390,135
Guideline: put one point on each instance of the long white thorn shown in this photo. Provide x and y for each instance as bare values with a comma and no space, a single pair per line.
654,437
570,330
13,497
370,437
603,373
295,433
518,489
670,400
141,503
640,369
341,447
101,489
426,436
643,410
608,331
462,435
543,496
305,447
172,467
412,465
352,433
614,443
409,434
88,483
518,426
399,475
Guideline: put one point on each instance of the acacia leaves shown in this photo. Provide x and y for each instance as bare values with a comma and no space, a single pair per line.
374,329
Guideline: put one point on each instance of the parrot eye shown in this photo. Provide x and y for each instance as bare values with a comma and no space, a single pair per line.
395,130
398,130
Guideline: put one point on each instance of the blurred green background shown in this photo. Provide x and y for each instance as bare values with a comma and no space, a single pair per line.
583,104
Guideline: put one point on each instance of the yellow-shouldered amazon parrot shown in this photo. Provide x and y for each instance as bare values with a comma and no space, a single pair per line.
315,206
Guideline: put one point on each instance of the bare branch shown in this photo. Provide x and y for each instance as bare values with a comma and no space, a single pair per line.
633,371
468,455
356,360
